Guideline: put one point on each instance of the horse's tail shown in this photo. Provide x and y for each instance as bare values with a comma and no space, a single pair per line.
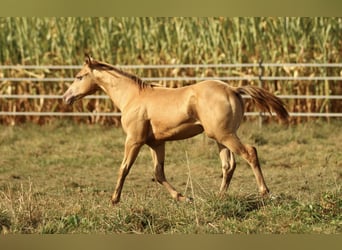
265,100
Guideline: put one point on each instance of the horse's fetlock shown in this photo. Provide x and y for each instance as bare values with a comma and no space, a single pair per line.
115,201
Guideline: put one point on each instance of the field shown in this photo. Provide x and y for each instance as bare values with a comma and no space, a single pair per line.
58,178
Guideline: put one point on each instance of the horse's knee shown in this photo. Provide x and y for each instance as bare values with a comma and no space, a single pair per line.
228,167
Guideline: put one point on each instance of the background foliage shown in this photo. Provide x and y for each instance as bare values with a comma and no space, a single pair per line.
170,40
150,40
153,40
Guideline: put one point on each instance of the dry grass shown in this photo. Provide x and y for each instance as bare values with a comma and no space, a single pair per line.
58,178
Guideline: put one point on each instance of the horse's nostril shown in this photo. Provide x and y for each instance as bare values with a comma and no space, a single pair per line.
68,97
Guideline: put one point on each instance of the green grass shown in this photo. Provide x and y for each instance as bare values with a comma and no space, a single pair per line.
59,178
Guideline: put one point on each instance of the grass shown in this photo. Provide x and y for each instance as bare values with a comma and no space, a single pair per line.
58,178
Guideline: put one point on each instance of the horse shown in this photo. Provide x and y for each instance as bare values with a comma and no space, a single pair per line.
153,115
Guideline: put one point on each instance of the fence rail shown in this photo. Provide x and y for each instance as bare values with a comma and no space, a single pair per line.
117,114
199,78
260,77
172,66
332,97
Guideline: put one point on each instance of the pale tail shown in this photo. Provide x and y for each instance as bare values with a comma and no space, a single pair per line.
265,100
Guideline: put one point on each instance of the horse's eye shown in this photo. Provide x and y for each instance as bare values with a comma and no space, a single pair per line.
79,78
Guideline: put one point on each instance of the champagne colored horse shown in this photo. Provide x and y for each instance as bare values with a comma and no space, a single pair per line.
153,115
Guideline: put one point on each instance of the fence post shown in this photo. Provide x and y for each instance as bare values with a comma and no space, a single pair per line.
261,73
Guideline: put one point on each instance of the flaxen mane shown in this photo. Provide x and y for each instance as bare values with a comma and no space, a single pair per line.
107,66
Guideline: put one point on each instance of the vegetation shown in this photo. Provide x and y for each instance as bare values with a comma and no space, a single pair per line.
153,40
125,41
58,178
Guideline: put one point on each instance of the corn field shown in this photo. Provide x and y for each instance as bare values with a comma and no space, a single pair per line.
127,41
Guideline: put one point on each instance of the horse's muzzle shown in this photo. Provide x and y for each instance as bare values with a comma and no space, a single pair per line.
68,97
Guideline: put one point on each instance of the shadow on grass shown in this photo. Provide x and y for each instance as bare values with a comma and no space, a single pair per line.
237,207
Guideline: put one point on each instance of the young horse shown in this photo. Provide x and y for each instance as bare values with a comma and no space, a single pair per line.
153,115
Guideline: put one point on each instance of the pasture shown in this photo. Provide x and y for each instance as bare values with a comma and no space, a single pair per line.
59,178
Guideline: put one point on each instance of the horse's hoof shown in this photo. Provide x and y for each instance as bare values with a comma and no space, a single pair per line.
189,199
265,193
115,202
274,197
184,198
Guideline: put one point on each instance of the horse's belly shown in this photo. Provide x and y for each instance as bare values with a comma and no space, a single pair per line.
182,131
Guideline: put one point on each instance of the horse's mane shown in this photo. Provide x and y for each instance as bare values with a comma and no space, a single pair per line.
106,66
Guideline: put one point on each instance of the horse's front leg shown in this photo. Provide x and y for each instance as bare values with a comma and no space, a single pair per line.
158,156
131,152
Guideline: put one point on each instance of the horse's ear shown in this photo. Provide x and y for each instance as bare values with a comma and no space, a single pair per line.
88,59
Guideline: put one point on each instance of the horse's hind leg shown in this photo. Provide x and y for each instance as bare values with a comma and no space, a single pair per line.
158,156
228,167
248,153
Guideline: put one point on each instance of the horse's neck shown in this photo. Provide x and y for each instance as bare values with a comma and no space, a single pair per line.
120,89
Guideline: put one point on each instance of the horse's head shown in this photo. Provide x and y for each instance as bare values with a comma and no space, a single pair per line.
83,85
